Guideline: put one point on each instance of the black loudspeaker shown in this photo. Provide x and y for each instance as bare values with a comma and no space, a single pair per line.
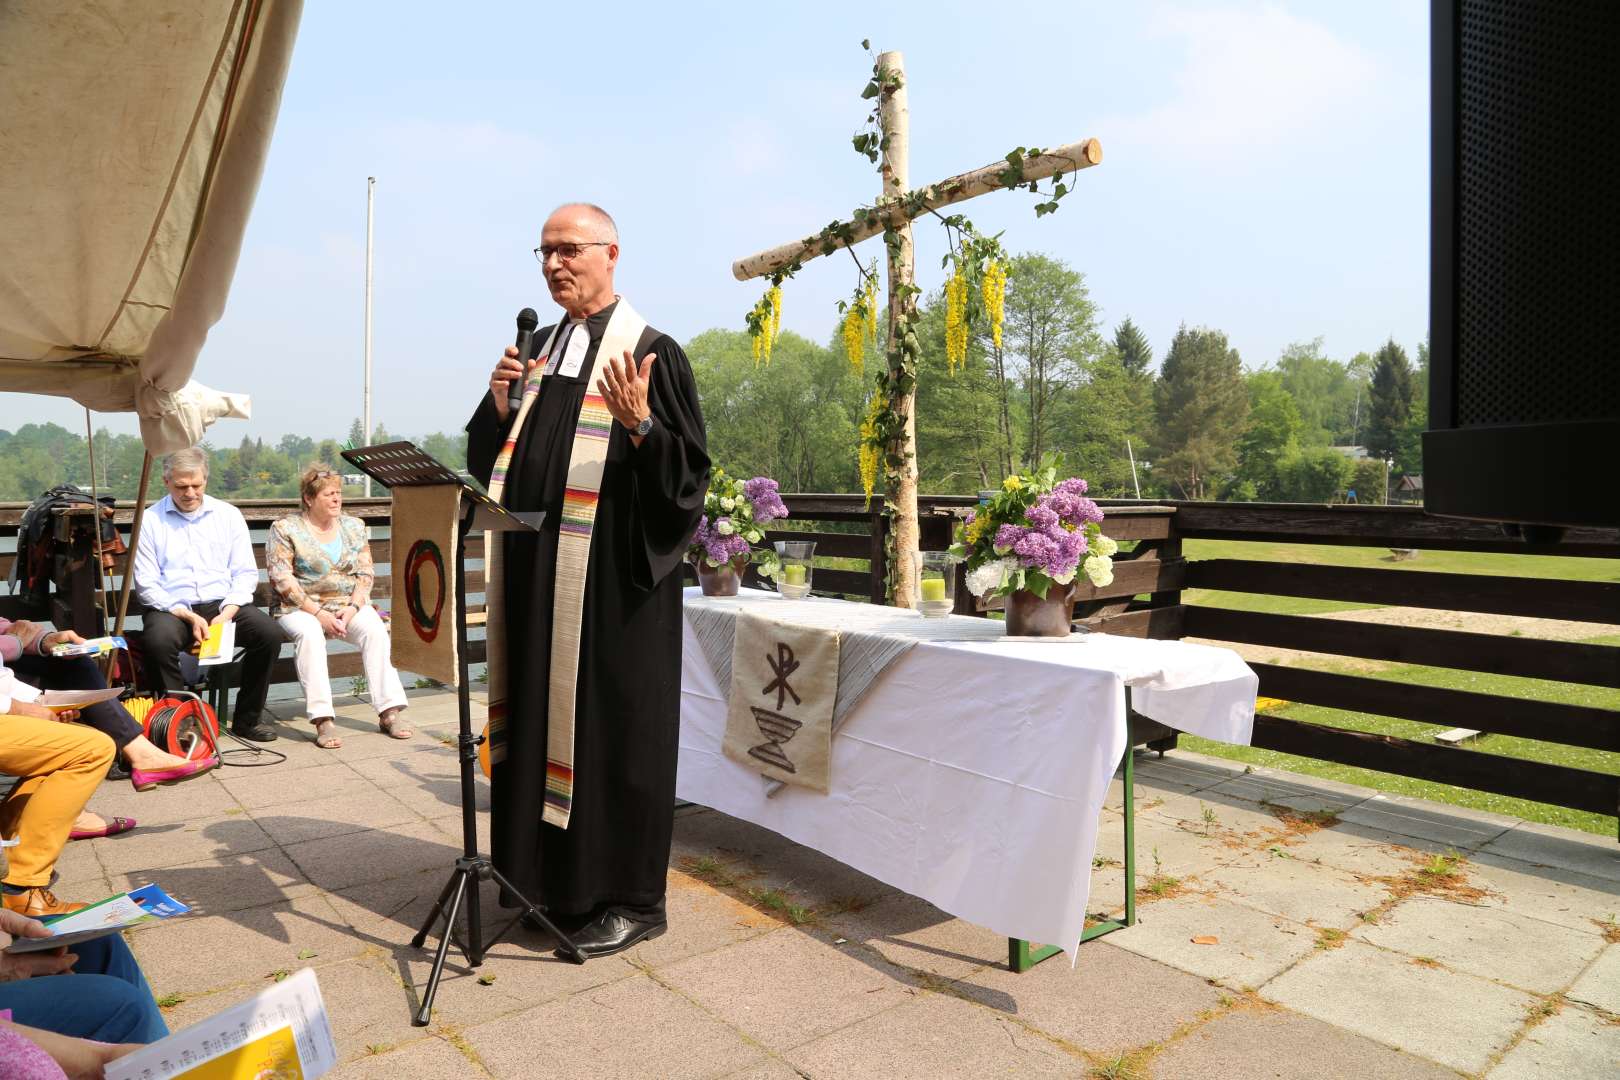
1524,377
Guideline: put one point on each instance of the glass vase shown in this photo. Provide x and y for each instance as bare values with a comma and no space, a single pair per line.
935,594
793,580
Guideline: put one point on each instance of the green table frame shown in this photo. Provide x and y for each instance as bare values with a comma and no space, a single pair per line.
1021,955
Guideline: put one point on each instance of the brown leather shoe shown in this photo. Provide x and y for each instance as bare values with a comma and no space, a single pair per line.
40,902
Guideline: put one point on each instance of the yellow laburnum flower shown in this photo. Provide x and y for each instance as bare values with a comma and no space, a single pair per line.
775,297
956,321
871,454
854,333
994,290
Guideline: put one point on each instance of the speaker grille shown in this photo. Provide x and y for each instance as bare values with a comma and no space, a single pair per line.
1538,242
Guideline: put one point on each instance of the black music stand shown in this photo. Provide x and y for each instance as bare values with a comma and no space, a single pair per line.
403,464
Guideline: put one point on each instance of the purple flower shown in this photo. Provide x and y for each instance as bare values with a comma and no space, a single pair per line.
762,493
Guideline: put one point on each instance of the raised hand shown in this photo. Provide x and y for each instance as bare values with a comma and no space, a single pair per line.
623,387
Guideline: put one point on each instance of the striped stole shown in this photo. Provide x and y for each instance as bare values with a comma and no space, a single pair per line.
584,484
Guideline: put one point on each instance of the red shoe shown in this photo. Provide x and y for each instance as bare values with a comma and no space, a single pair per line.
112,828
147,779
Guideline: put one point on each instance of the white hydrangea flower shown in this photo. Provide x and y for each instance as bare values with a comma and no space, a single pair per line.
724,527
1065,577
728,504
753,536
1100,571
1105,547
987,578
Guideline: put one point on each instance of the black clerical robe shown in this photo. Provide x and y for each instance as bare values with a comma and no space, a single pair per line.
615,851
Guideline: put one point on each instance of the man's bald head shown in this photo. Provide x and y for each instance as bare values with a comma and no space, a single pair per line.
587,216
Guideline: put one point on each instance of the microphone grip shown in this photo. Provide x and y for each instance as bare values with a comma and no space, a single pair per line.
514,389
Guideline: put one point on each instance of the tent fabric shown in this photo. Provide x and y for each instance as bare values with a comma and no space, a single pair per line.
133,142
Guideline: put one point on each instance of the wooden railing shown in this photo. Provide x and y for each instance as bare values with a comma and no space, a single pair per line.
1146,599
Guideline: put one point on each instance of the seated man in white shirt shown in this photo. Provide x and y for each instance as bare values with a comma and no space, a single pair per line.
194,567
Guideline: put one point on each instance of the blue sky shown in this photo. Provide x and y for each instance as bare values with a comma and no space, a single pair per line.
1265,173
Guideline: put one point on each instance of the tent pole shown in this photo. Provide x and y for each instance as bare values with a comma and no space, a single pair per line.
134,538
102,606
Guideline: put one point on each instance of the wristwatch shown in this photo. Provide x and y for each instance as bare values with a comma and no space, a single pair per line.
641,429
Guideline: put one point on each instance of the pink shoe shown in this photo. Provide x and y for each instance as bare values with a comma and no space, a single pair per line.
113,827
147,779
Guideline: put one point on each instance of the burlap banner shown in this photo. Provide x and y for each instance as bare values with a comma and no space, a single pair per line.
784,681
424,594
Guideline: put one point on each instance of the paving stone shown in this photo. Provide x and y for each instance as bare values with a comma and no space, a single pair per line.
701,919
1574,1044
1264,787
1303,892
1461,828
1280,1045
1110,1001
634,1027
1253,946
1229,814
934,1036
427,1058
201,797
1565,897
1360,849
193,955
787,987
337,862
1454,1019
1182,852
291,823
914,934
420,760
1494,944
230,883
770,1068
180,844
742,846
1599,985
1566,849
268,787
438,799
1179,769
77,863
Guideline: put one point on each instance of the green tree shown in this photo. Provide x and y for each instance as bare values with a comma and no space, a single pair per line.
1368,478
1272,436
1390,401
1135,354
961,445
1201,404
1050,335
1314,474
1095,420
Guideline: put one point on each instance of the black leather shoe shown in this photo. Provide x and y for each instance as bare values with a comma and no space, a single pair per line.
612,933
260,732
117,770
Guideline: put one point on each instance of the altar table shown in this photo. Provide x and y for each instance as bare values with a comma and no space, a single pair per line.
973,773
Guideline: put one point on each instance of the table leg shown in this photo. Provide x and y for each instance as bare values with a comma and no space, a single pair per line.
1021,955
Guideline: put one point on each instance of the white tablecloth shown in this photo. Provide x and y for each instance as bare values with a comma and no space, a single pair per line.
972,774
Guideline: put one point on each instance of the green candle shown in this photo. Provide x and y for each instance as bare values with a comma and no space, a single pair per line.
933,588
793,573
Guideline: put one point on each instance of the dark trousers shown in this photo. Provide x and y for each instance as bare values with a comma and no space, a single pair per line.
165,637
80,673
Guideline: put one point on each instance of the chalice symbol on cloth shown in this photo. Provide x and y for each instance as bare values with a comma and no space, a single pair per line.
776,727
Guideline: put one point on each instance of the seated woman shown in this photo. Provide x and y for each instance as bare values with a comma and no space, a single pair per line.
319,562
83,1007
58,766
26,647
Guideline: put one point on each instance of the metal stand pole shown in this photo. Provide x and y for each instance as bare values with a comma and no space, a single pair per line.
471,867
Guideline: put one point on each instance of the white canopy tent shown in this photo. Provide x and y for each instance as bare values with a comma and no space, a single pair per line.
131,145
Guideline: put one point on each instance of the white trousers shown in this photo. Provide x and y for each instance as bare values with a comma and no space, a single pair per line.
365,630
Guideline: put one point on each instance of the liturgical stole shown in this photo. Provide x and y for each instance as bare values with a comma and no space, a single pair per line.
585,463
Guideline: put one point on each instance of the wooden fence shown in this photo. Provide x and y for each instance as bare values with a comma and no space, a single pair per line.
1146,599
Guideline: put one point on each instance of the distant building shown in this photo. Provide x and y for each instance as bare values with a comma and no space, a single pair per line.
1408,490
1354,453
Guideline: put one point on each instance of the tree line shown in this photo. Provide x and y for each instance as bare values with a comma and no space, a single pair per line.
1200,426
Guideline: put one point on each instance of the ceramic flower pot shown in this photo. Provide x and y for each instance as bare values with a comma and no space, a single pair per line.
721,580
1030,616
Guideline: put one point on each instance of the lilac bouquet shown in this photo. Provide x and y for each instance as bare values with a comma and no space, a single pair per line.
1038,531
733,513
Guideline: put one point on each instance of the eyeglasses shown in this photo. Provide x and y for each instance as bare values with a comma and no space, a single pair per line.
566,252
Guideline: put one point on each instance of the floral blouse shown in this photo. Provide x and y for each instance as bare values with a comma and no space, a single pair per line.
299,566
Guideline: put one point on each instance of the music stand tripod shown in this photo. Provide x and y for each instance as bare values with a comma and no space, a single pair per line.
403,464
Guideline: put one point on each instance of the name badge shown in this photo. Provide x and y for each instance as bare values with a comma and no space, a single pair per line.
579,340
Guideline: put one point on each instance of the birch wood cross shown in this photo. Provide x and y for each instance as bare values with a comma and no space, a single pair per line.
897,204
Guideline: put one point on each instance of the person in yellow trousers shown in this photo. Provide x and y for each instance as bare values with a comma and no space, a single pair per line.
58,766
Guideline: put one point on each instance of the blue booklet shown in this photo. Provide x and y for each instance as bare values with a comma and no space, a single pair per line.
111,916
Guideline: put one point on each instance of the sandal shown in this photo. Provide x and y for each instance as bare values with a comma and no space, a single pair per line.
389,725
324,738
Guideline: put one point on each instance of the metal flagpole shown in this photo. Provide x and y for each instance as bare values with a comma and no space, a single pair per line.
371,188
1132,455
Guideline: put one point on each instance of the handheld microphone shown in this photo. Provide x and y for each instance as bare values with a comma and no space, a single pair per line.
527,320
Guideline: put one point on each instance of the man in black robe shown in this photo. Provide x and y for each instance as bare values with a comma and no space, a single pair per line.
602,877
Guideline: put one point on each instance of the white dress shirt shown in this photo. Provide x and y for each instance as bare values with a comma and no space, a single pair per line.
192,558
